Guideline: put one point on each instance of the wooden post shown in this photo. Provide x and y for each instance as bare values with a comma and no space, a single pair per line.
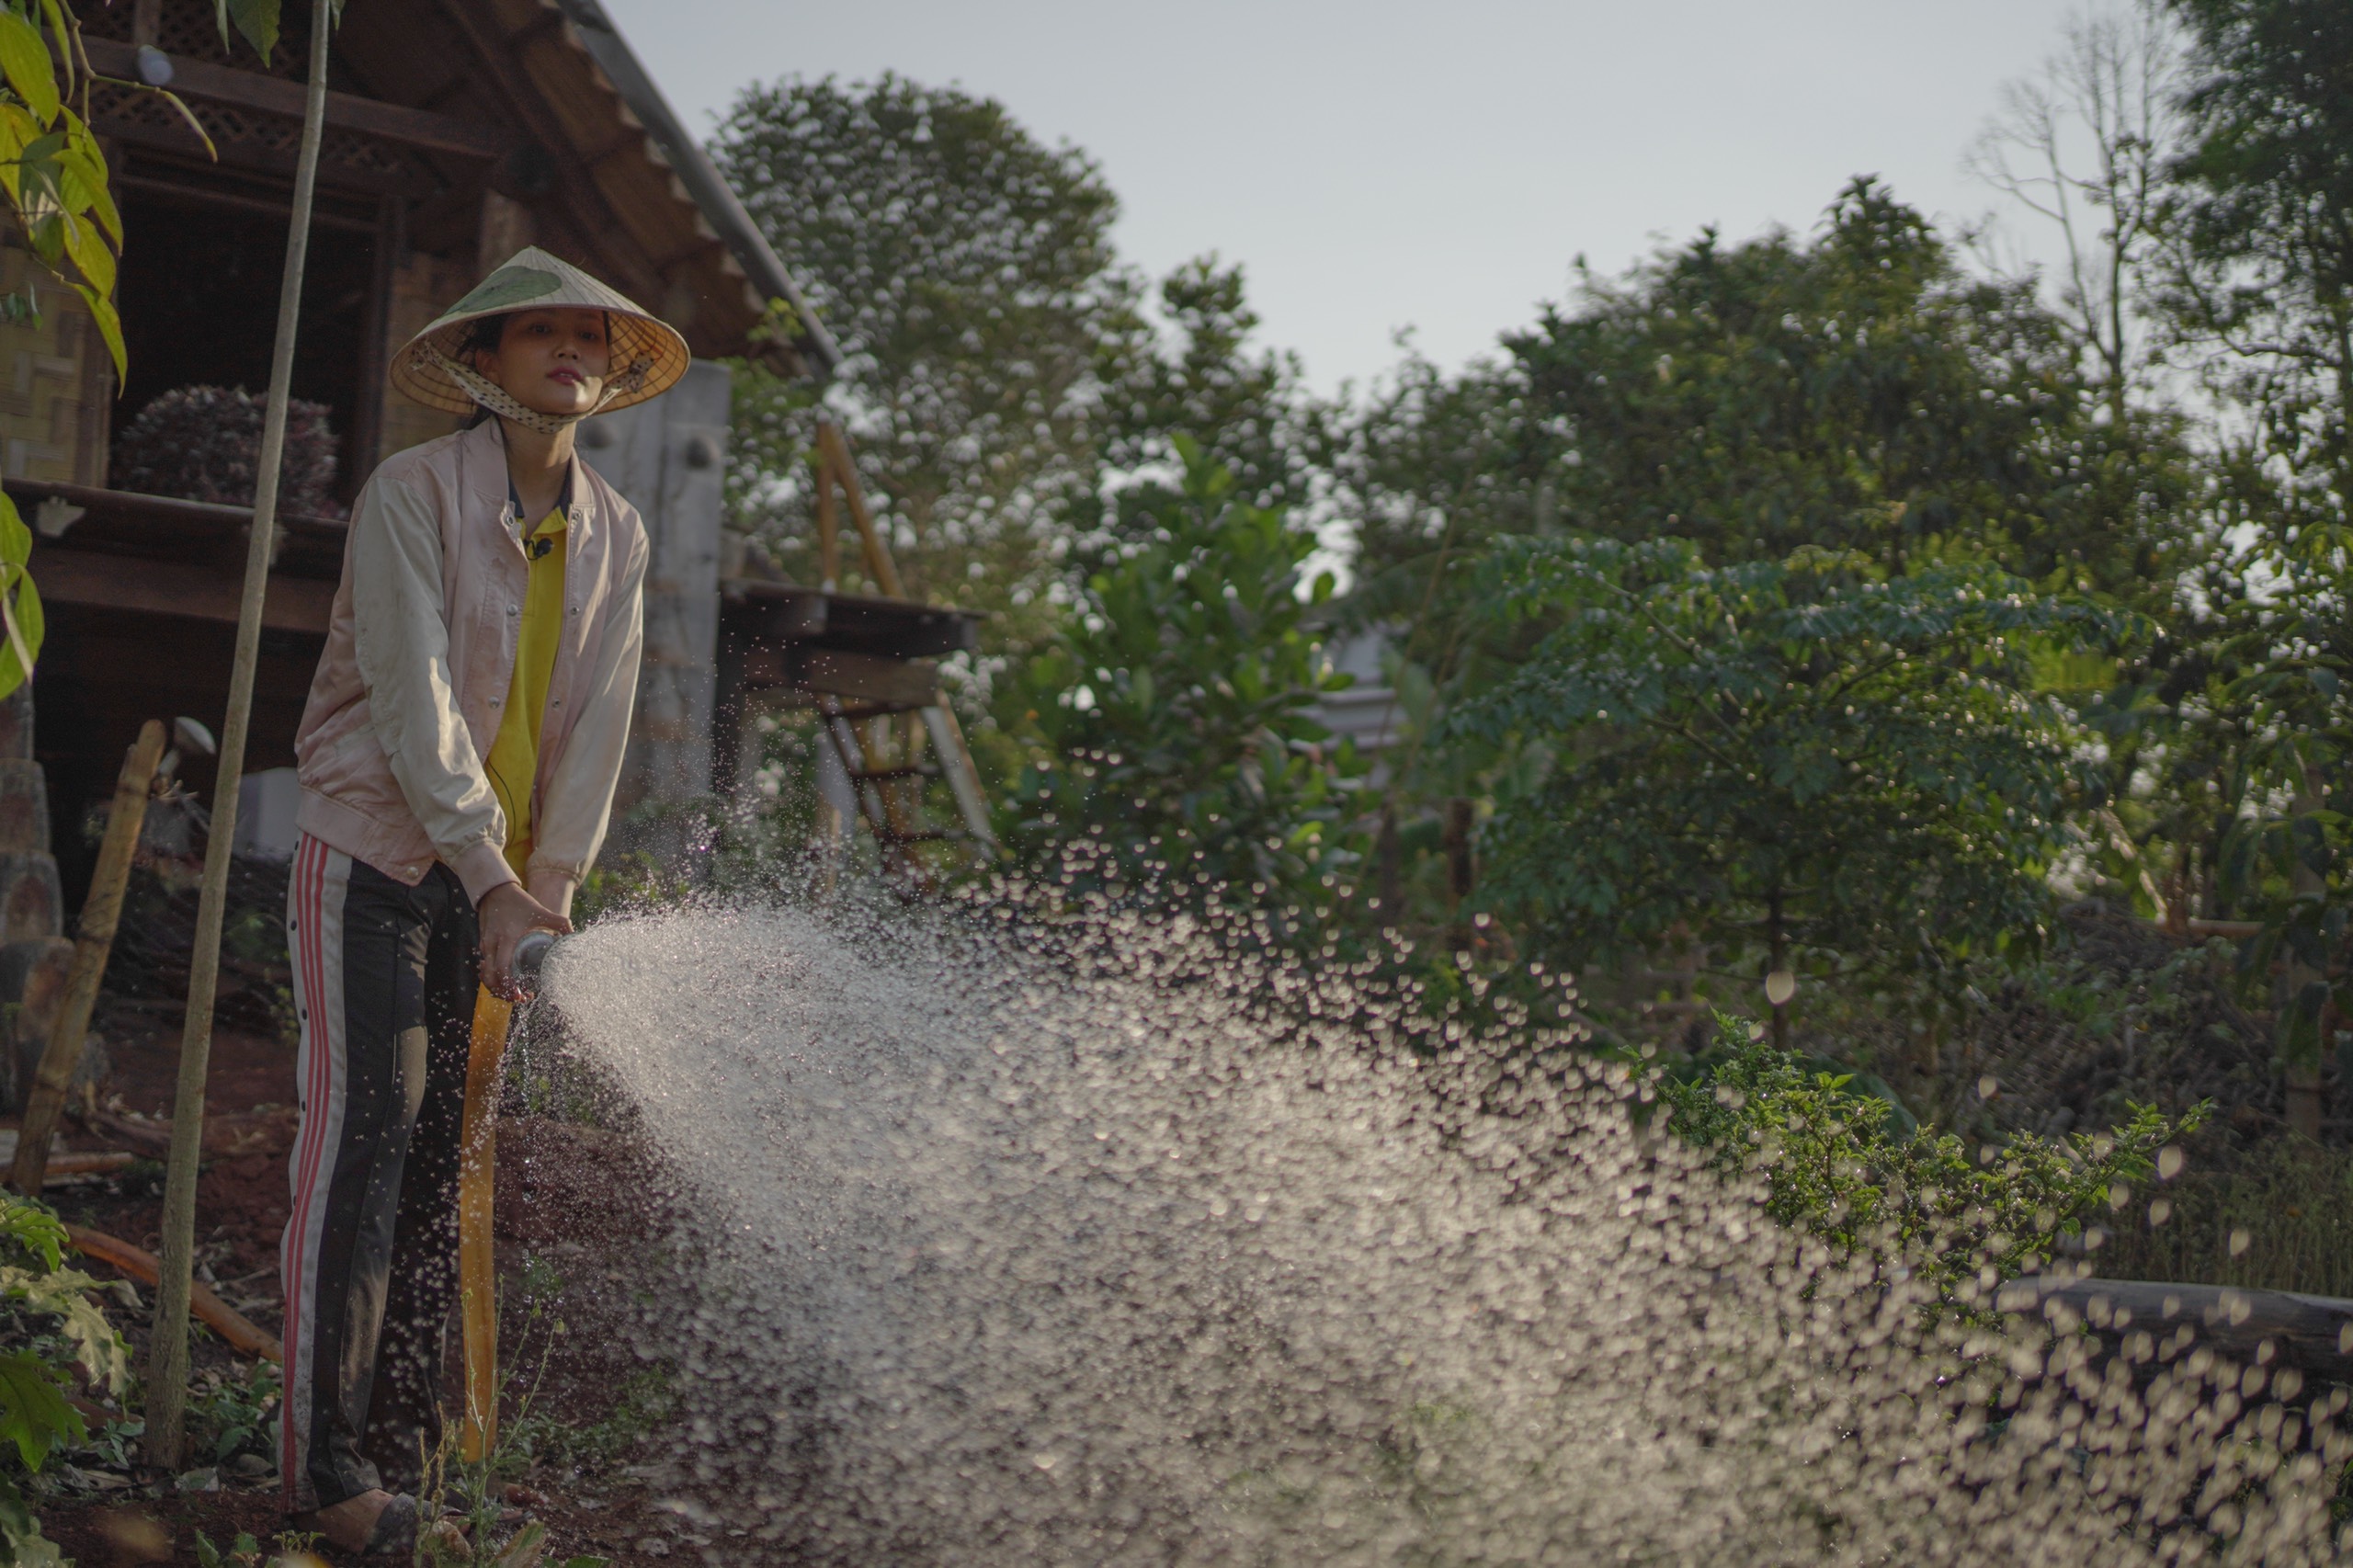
167,1356
477,1258
829,533
101,909
879,565
963,777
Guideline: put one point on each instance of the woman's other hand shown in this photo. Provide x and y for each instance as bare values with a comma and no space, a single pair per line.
506,913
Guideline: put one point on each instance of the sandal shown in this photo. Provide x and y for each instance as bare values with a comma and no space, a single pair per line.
394,1536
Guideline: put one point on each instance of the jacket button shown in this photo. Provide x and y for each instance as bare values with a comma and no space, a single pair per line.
513,609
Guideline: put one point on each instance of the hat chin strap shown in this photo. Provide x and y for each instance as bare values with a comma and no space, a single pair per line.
496,399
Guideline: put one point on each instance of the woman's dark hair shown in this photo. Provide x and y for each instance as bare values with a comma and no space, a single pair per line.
482,336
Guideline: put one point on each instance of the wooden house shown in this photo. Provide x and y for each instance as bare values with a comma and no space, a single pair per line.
458,130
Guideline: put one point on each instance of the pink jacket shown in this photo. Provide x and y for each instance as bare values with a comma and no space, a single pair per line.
421,648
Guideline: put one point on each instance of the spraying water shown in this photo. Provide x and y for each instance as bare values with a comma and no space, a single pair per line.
1067,1248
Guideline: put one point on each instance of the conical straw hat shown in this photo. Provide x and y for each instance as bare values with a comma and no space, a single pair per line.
648,354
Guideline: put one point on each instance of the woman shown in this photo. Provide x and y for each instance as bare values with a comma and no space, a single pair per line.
457,758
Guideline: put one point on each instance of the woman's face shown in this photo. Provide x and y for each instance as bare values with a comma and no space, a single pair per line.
552,362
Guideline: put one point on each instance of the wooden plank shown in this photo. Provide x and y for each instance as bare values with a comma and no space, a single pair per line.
869,678
2313,1334
275,95
169,588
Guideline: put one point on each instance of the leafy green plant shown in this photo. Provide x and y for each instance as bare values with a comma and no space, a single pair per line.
228,1417
50,1326
247,1553
1803,765
1166,732
1962,1220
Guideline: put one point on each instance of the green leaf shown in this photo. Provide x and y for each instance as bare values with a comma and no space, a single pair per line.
62,29
86,243
20,609
20,1535
86,162
256,20
109,322
28,1224
524,1550
64,1294
24,59
33,1414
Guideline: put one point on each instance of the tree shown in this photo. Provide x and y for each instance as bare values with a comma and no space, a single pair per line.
1165,737
2084,148
1856,390
1859,394
968,272
2262,269
2258,283
1244,409
1799,765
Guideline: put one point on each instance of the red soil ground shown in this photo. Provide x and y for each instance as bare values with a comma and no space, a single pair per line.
573,1216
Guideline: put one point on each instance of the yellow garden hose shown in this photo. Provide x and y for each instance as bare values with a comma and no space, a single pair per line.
477,1264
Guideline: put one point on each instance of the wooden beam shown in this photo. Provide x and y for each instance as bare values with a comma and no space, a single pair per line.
167,588
883,682
2310,1334
275,95
627,265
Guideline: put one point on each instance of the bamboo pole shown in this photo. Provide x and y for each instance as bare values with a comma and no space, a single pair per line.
477,1257
101,909
167,1358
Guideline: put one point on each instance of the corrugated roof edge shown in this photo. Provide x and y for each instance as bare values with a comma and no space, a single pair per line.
721,206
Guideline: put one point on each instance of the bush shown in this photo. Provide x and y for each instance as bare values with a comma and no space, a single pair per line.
204,444
49,1324
1167,735
1962,1223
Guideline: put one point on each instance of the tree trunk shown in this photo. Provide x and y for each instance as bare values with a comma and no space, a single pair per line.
1777,962
2303,1030
1390,854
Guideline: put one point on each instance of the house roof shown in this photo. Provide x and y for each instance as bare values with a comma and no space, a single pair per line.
438,101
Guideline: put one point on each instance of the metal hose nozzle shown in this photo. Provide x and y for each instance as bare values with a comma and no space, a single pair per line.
530,953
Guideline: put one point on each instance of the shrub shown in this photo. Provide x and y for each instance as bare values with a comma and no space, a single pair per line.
48,1323
204,444
1962,1220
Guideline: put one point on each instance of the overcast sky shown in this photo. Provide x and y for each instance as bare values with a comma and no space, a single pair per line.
1377,166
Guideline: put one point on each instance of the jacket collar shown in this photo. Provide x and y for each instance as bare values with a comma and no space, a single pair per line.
482,475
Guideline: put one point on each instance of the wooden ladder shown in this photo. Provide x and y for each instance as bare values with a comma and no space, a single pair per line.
885,766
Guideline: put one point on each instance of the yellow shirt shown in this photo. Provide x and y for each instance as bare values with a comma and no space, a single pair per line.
514,761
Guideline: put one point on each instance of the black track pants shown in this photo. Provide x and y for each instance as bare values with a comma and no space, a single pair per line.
384,983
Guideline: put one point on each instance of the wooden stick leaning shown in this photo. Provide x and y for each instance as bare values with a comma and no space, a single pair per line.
879,565
101,909
477,1257
167,1357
